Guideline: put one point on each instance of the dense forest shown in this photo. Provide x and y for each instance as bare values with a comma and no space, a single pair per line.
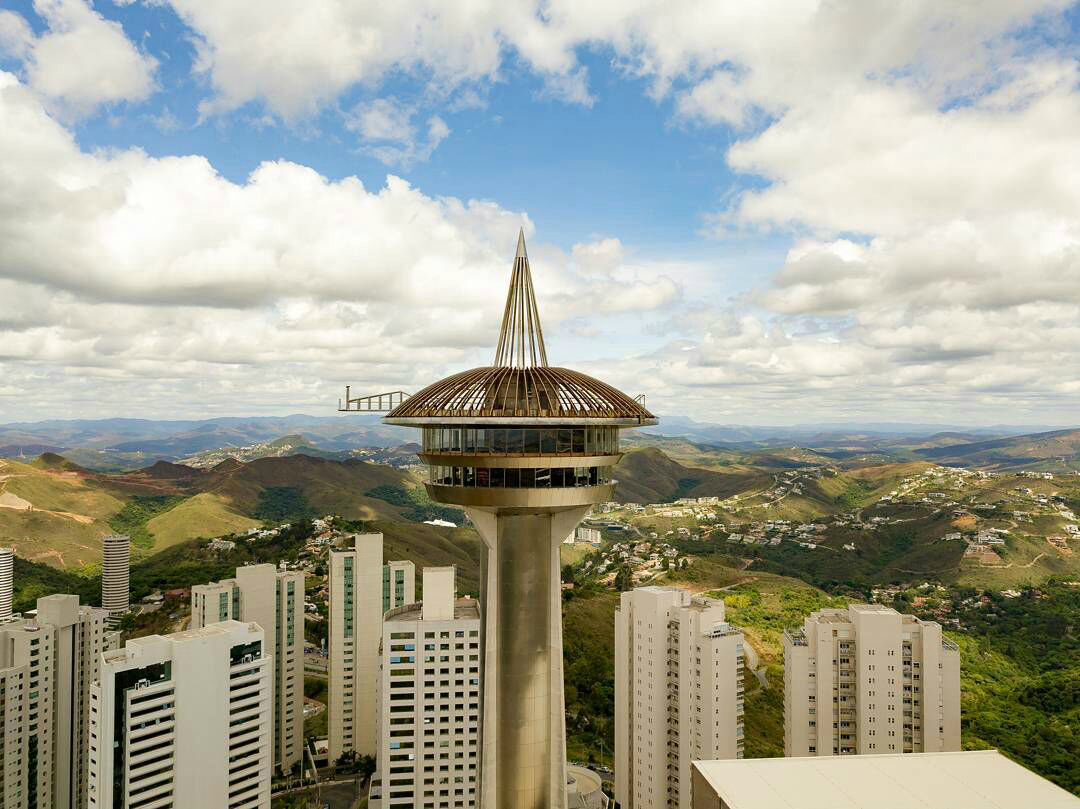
1021,678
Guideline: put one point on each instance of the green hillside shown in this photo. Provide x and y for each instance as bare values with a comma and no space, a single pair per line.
650,476
1020,663
202,515
56,512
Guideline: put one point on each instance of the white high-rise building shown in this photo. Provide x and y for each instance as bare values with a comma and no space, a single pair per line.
115,575
429,699
274,599
867,679
399,584
354,633
183,721
48,661
678,693
7,581
26,689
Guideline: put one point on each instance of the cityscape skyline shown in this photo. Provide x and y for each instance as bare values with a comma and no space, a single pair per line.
536,404
860,214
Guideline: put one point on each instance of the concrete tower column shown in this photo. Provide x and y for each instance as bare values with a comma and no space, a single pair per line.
524,718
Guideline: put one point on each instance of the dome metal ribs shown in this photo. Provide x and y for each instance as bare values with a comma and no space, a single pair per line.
539,392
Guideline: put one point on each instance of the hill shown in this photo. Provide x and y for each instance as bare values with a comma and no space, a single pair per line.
650,476
54,511
278,448
1057,450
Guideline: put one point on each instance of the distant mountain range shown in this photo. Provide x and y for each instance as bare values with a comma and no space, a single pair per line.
114,444
1041,451
120,444
826,433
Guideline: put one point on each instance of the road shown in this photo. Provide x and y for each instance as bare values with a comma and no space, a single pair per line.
340,796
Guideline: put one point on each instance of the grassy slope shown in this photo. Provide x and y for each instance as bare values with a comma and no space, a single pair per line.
332,487
573,554
316,688
216,501
204,515
58,491
52,532
649,476
589,660
763,608
430,545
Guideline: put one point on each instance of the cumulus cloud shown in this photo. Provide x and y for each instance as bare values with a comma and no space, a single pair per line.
82,61
389,134
303,53
922,154
142,279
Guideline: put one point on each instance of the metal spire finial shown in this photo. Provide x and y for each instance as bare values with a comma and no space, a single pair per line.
521,340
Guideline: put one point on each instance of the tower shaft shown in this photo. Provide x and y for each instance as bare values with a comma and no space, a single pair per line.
524,720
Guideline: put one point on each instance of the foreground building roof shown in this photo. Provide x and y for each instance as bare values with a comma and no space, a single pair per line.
975,779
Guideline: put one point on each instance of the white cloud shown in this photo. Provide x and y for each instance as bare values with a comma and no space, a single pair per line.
155,281
82,61
16,37
923,154
297,55
388,133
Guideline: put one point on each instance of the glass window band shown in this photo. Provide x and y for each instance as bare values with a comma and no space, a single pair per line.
522,440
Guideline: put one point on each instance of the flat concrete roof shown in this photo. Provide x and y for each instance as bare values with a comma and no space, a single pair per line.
975,779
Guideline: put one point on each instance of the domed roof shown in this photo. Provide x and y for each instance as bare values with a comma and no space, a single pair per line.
537,392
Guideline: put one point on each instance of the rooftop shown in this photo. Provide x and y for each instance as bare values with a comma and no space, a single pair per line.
975,779
538,392
464,608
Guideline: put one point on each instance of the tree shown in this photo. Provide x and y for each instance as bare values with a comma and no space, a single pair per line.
365,767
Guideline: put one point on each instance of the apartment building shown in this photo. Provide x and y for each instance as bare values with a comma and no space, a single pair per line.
48,660
399,584
678,693
356,599
115,575
867,679
273,598
184,720
429,699
7,581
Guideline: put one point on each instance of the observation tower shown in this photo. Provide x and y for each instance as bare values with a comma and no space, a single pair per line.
526,449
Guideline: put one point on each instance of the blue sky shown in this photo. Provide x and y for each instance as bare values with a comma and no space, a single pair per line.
623,165
761,215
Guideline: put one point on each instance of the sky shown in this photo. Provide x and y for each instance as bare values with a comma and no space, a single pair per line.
776,212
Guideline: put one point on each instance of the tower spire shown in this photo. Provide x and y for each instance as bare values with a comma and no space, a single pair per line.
521,340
